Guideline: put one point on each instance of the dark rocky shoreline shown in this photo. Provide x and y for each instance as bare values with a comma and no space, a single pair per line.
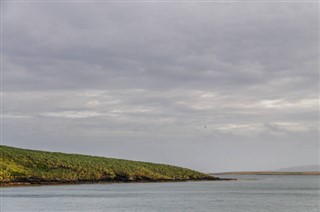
38,182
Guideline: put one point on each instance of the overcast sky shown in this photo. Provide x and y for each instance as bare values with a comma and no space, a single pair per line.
208,86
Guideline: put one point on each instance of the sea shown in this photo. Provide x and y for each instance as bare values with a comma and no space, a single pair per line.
250,193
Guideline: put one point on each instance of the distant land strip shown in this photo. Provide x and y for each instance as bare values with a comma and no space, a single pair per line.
32,167
268,173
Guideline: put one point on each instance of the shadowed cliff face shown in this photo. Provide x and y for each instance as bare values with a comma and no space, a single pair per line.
38,167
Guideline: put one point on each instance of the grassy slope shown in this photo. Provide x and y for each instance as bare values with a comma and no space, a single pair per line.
21,165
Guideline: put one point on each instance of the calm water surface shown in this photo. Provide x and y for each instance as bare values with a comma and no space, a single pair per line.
250,193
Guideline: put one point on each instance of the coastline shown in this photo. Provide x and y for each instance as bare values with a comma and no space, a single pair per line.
83,182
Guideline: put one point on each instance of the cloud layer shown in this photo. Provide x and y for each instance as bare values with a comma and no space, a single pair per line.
211,86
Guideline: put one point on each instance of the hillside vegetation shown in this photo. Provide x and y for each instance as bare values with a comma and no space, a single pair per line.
31,166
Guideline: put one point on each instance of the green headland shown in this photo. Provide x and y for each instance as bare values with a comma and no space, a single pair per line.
23,167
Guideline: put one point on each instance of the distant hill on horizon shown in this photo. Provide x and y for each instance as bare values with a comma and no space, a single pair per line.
306,168
294,170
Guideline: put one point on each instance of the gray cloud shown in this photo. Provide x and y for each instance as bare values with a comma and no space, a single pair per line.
141,80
